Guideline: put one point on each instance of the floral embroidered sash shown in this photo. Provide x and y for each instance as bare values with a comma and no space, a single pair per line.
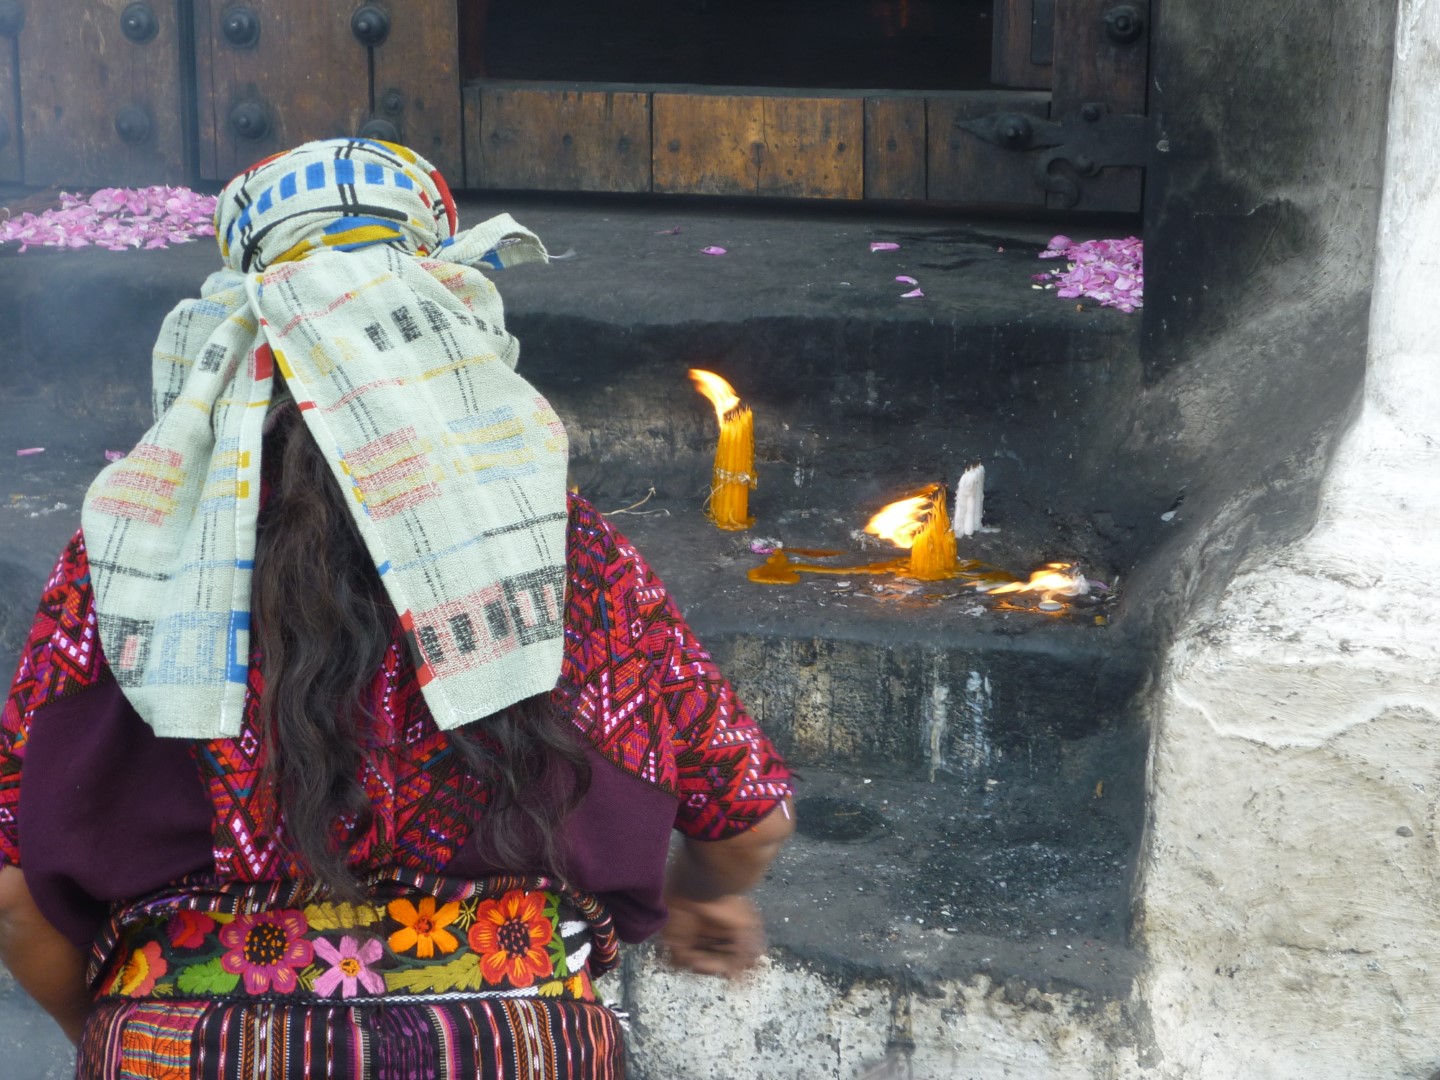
421,937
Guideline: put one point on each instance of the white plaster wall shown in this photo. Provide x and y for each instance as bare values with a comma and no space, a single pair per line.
1292,882
784,1023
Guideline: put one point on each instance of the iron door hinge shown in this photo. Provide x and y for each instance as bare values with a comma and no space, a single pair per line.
1073,148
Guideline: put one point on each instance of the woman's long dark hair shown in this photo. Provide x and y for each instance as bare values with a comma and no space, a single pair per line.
322,622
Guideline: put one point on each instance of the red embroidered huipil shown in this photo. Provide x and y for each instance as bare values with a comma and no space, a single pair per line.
97,809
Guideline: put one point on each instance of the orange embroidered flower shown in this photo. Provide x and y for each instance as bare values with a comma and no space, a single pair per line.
511,935
136,977
424,929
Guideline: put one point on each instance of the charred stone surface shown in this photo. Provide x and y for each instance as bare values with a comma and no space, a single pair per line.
1262,203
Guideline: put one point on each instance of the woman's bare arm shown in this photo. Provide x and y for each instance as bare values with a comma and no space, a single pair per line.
44,962
715,929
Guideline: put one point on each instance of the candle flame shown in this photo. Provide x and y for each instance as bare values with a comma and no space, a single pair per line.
1052,579
721,394
902,521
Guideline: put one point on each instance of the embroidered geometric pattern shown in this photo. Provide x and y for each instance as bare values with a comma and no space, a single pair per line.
647,694
61,655
635,681
527,1039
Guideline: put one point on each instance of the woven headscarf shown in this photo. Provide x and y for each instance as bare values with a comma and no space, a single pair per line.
346,274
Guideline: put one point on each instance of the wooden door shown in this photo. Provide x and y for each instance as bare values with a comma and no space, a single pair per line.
12,20
1060,124
92,92
273,73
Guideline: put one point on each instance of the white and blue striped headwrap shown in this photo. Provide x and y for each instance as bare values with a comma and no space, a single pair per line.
346,273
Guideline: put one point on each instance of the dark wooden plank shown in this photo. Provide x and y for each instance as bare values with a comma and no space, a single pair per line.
307,73
1091,67
474,18
895,152
78,71
965,168
420,63
783,146
558,140
9,112
1013,56
470,126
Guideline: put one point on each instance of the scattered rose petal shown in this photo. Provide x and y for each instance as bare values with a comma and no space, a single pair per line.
1000,249
668,232
765,547
114,455
30,451
116,219
883,245
712,251
906,279
1109,271
911,293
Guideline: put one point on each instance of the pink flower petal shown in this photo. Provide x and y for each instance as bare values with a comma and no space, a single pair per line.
328,983
116,219
114,455
668,232
712,251
372,981
911,293
906,279
883,245
30,451
1109,271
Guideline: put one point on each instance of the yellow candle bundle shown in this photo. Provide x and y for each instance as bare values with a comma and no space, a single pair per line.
734,471
921,524
932,556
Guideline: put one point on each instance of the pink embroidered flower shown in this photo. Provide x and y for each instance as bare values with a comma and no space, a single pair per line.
187,929
266,950
350,966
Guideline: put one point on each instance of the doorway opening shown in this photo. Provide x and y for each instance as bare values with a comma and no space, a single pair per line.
836,44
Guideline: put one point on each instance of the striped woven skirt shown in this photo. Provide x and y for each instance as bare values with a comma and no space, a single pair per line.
432,980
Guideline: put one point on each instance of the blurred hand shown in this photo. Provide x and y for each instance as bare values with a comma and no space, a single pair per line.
724,936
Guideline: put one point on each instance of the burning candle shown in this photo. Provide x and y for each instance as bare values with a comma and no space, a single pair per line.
970,501
921,524
734,471
1051,580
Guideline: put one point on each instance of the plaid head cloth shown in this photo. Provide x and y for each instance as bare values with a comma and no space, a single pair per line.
344,271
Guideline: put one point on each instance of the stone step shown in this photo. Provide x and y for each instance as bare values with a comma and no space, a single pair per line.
902,678
914,933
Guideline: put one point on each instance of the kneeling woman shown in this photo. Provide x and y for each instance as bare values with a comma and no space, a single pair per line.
345,743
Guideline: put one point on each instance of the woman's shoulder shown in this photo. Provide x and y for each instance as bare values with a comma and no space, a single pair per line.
595,546
62,650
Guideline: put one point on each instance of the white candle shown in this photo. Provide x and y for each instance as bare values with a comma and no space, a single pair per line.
970,501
